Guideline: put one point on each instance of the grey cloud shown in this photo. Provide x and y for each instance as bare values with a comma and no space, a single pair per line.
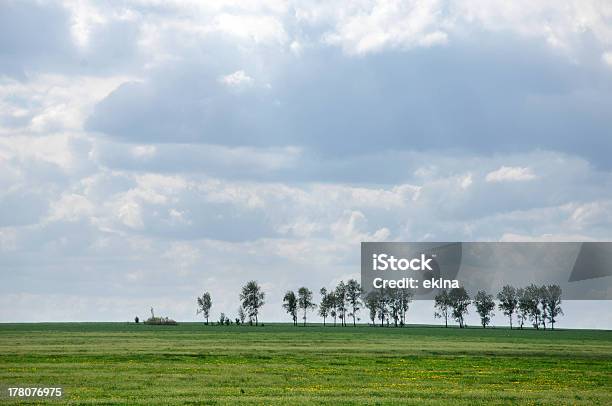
32,35
37,37
467,96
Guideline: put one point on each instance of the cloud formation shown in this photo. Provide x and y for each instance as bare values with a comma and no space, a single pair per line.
510,174
198,144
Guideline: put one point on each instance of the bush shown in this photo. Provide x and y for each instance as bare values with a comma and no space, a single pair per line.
158,321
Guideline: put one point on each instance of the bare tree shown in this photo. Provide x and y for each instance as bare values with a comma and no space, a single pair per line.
204,305
508,301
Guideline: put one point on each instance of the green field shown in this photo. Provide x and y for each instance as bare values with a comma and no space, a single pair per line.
115,363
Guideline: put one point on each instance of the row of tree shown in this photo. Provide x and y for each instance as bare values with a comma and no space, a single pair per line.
536,304
342,302
251,300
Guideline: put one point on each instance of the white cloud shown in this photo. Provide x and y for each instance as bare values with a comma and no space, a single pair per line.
562,24
374,25
296,48
557,237
71,207
466,181
182,254
236,79
510,174
84,16
259,29
606,57
349,228
144,151
130,213
55,149
52,103
597,213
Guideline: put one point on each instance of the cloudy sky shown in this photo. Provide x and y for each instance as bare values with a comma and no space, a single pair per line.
150,150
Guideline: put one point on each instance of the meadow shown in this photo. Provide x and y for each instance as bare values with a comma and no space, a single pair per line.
121,363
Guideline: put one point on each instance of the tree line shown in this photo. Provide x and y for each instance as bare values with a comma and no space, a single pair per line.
533,304
341,303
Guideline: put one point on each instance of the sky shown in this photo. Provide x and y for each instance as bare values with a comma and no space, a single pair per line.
153,150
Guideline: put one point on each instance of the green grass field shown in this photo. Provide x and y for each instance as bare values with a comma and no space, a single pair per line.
114,363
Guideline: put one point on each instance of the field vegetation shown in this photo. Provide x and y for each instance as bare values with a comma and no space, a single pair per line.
127,363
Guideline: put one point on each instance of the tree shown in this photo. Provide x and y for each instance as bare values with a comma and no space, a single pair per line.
543,307
442,305
353,296
241,315
290,304
394,305
404,297
333,302
204,305
531,301
371,303
326,304
523,306
222,319
305,301
383,307
459,301
542,302
252,298
552,302
484,306
508,301
340,295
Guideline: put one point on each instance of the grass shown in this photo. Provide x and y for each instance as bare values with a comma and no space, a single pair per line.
120,363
